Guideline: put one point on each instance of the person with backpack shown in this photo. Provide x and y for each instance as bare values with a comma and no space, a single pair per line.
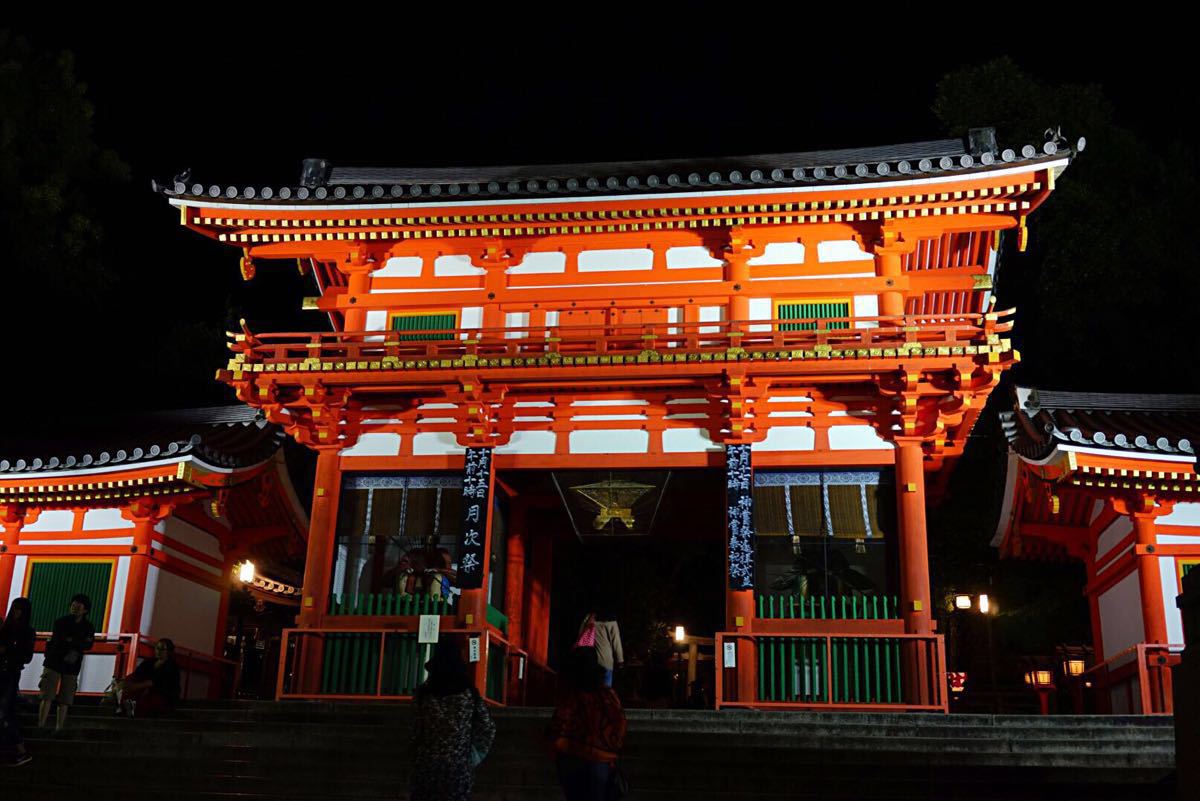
599,630
452,732
71,637
16,651
587,732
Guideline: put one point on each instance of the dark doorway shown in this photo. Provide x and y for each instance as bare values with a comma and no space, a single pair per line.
663,568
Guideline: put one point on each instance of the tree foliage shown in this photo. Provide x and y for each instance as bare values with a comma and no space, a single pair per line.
1104,292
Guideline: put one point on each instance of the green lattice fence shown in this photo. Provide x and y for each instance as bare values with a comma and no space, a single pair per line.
812,314
52,583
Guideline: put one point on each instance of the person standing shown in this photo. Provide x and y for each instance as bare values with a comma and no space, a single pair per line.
16,650
452,732
72,635
587,731
600,630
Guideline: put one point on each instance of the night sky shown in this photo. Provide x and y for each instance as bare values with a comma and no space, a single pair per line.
243,104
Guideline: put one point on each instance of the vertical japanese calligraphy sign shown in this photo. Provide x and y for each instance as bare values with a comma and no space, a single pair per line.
739,498
476,505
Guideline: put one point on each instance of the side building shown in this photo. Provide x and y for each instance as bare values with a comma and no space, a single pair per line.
1110,480
808,337
148,516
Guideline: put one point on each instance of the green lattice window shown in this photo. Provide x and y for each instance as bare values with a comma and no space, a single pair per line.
425,322
51,585
822,310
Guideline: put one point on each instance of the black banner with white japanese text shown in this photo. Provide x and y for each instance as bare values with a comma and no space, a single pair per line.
476,497
739,498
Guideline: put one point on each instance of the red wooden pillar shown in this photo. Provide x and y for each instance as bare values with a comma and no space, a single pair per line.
914,546
12,518
322,531
514,573
145,516
537,622
889,266
914,566
1149,578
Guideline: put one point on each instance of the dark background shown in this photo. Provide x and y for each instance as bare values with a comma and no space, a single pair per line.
111,306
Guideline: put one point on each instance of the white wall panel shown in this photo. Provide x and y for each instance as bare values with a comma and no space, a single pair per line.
690,257
18,580
536,263
184,611
688,440
780,253
1115,532
1121,616
51,520
530,442
120,581
103,519
847,438
1169,576
400,267
610,441
841,250
440,443
787,438
1184,514
604,261
455,265
374,444
193,537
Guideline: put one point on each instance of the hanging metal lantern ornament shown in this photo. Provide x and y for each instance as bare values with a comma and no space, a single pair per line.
614,500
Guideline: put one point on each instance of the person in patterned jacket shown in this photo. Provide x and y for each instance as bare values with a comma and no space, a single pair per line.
452,732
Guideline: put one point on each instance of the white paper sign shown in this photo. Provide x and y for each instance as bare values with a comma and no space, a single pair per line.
521,667
428,631
731,654
473,649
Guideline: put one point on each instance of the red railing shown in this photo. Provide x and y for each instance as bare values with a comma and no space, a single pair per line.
831,671
219,675
1135,681
856,333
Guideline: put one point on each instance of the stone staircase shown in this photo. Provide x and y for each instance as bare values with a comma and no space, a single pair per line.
309,751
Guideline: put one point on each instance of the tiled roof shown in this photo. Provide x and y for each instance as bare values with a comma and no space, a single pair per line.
1152,425
223,436
321,183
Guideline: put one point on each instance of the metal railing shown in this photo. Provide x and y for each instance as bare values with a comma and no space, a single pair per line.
831,671
1136,680
310,350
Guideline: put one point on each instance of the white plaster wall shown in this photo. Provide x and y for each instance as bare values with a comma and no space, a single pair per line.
690,257
845,438
400,267
537,263
780,253
18,580
52,520
516,320
604,261
1169,576
530,442
376,320
374,444
1184,514
1116,531
787,438
95,673
455,265
182,610
1179,539
103,519
711,314
120,580
439,443
866,306
760,309
472,317
841,250
193,537
610,441
1121,616
688,440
